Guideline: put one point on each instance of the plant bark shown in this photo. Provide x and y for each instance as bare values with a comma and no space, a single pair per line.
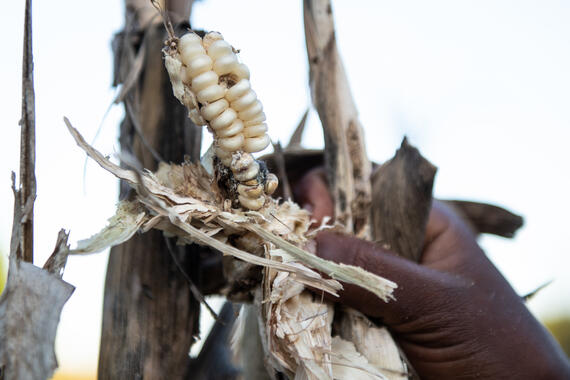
27,191
150,318
348,166
348,170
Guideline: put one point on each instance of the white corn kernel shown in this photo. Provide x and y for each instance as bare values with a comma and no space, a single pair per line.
211,94
242,161
231,144
251,112
189,39
247,173
225,65
225,157
210,38
224,119
238,90
256,144
250,191
244,101
212,110
255,130
204,80
241,71
219,48
235,128
251,204
190,52
271,183
260,118
200,64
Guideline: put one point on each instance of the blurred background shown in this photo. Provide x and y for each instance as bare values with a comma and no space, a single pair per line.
481,88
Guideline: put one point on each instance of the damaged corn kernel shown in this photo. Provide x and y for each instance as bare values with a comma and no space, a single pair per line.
209,80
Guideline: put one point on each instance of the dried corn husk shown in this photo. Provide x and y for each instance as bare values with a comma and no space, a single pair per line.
181,201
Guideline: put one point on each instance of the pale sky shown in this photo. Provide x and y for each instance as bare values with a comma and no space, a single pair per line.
481,88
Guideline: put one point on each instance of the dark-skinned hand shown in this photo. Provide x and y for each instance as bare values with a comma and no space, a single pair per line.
455,316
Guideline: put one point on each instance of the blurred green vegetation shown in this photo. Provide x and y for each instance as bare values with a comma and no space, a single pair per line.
3,270
560,328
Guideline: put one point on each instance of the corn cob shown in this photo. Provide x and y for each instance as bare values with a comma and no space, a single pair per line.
209,80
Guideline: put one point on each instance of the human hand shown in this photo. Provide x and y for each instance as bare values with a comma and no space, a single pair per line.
312,193
455,316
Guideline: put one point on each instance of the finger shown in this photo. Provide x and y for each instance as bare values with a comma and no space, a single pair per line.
445,220
420,290
451,246
447,238
313,194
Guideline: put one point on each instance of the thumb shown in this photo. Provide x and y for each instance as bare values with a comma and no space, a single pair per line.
312,192
420,289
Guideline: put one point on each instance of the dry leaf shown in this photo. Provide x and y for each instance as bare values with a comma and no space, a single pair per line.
30,309
121,227
349,364
179,200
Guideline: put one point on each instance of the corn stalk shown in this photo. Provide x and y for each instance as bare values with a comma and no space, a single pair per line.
348,166
348,169
150,316
31,302
27,191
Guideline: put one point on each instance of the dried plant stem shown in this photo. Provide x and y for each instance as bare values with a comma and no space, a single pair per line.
193,288
402,201
27,191
33,298
348,167
149,315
